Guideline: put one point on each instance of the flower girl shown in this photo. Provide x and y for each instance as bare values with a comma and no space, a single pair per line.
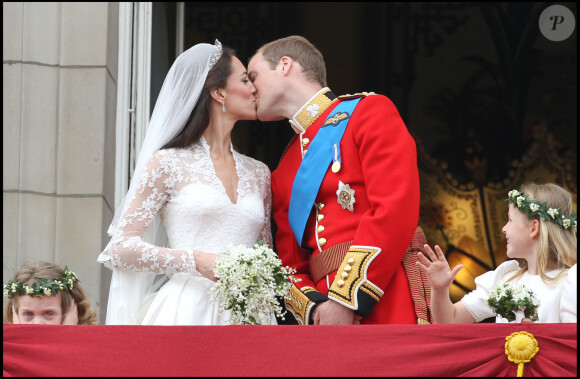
541,237
44,293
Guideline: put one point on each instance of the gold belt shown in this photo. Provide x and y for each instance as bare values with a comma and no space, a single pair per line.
328,260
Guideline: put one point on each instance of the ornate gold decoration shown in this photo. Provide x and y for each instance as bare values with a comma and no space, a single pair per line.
359,94
336,119
345,290
521,347
311,111
372,291
298,304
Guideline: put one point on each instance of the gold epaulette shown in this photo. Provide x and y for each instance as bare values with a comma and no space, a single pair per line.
354,96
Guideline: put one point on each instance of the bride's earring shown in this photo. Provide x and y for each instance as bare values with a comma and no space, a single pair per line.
223,106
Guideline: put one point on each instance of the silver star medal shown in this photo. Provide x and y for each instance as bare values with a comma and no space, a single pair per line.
345,196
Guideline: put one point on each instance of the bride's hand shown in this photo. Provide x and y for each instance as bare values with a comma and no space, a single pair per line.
205,264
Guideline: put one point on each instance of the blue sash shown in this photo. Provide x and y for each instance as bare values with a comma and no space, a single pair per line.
315,165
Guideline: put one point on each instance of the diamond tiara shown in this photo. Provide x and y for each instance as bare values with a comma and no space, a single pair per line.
217,54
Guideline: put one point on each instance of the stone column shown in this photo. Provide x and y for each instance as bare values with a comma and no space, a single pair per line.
59,98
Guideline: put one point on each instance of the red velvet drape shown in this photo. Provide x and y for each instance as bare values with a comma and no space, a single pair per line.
285,350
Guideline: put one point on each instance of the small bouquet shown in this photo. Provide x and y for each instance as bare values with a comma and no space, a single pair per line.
250,280
506,299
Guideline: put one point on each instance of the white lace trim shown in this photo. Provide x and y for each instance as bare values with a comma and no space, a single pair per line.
182,186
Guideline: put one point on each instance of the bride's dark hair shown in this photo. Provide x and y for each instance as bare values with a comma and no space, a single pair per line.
198,121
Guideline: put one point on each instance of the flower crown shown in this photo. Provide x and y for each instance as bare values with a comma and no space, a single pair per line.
535,208
42,287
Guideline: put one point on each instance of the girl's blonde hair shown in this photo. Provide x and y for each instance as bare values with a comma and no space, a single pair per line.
32,271
557,246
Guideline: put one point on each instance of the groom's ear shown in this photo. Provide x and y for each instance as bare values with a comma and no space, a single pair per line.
286,64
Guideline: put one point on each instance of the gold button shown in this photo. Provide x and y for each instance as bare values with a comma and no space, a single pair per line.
320,206
320,228
347,268
350,261
344,275
322,241
340,283
305,141
320,218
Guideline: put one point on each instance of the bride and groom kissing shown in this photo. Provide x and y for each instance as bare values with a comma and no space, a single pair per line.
344,197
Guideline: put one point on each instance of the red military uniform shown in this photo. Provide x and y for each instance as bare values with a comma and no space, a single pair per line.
363,218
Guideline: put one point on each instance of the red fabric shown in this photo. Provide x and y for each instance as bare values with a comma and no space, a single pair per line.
365,350
379,162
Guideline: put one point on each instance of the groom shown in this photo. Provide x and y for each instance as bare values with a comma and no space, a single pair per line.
345,193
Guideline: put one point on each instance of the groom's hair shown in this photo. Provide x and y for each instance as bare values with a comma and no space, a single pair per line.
299,49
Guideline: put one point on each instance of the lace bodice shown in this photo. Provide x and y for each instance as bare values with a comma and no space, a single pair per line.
181,186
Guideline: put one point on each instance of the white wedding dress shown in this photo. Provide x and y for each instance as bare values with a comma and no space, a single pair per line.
182,186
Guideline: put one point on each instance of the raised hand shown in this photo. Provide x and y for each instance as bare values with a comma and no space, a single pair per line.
437,269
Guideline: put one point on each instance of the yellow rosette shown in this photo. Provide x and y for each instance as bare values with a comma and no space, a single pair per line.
520,347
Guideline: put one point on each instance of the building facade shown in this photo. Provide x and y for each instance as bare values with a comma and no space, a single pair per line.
60,84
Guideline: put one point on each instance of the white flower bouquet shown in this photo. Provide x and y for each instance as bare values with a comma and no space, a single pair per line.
506,299
250,280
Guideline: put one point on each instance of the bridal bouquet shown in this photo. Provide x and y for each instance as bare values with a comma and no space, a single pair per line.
506,299
249,282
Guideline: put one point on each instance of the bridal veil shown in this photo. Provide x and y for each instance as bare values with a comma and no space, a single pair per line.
177,98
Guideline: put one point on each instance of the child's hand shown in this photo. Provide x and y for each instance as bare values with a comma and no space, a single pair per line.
72,316
438,272
15,319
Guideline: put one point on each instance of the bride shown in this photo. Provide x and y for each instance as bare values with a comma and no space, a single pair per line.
190,191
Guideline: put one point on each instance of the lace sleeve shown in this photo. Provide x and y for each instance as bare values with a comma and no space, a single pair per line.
128,248
266,232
